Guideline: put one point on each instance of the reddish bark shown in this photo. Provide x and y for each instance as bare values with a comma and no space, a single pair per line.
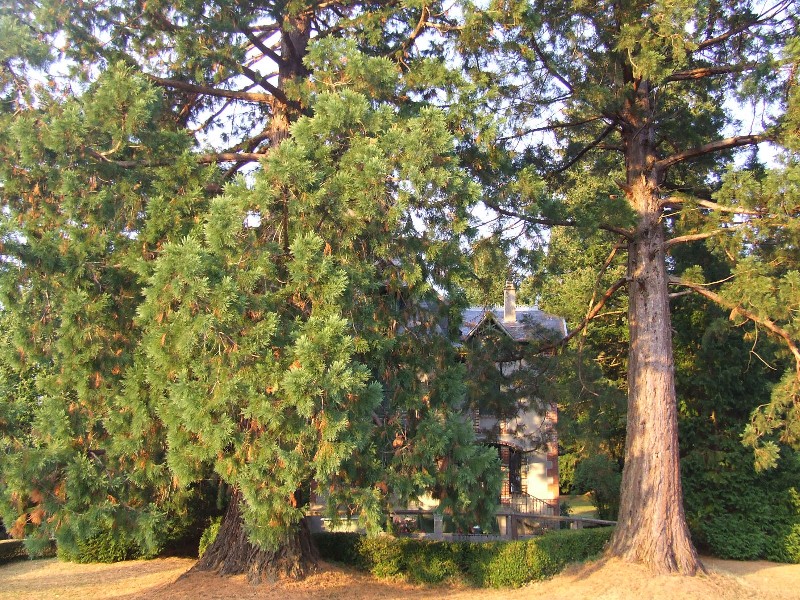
231,553
651,526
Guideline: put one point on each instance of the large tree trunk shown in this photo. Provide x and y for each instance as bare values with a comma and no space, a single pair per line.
652,526
232,554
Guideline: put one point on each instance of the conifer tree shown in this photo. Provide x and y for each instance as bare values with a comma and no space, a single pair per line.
83,449
272,342
284,334
621,107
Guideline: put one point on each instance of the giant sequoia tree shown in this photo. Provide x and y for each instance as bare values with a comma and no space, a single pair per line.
633,97
180,322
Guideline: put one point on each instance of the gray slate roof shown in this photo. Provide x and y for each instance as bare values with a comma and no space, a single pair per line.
531,322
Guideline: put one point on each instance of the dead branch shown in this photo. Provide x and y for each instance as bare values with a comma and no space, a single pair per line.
553,222
674,201
703,72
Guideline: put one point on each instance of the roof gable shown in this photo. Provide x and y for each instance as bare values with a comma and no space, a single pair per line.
530,324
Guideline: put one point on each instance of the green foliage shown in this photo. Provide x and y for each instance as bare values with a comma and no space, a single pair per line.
735,512
106,546
590,377
566,471
273,347
285,330
209,535
736,537
600,476
789,544
79,434
166,324
492,564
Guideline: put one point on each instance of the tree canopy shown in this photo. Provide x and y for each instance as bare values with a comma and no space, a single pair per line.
227,230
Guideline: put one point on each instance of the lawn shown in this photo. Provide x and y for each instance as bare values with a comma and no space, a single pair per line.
580,506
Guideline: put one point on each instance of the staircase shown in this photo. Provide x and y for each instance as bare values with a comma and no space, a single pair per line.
525,504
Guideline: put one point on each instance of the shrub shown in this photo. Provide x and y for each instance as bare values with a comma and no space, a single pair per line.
788,547
432,562
383,555
12,550
735,537
493,564
108,546
737,513
17,549
505,566
209,535
340,547
600,476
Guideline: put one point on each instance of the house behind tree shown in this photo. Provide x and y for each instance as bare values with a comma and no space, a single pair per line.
510,407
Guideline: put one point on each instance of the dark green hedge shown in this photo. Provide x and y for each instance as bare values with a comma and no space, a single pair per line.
736,513
492,564
15,549
11,550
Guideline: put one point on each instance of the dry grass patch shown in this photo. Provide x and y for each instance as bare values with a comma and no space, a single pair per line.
603,580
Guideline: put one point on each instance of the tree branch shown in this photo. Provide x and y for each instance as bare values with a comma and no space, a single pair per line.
256,41
694,237
236,157
736,308
553,222
420,27
548,67
203,159
256,78
673,201
723,37
590,315
209,91
702,72
609,128
715,146
561,125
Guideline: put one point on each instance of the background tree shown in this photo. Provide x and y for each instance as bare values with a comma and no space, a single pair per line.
76,238
645,83
723,372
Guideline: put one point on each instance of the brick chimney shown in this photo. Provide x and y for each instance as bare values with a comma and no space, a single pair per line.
509,303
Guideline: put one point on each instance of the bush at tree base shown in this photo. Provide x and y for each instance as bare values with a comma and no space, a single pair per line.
209,535
491,564
107,546
11,550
